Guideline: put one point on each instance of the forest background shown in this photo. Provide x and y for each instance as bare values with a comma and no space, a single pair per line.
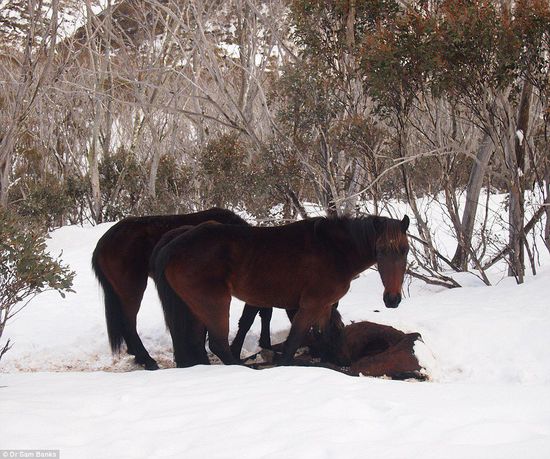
137,107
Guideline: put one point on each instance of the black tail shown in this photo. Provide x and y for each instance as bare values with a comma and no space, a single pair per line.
176,312
113,306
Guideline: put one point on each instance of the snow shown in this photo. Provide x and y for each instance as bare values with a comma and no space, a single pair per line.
520,136
228,412
484,348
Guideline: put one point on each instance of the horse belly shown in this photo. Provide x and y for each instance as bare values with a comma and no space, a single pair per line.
266,292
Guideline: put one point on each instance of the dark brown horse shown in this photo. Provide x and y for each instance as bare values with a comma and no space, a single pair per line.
191,350
189,347
306,266
372,349
381,350
121,264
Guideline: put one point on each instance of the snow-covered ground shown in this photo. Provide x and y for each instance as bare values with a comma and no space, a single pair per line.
486,350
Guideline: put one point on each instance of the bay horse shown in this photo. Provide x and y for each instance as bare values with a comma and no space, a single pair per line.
121,264
189,347
307,265
373,350
381,350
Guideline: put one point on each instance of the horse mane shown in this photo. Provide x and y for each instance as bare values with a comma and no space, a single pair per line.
363,233
393,236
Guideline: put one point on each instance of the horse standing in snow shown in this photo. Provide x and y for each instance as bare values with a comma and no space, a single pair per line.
121,264
306,266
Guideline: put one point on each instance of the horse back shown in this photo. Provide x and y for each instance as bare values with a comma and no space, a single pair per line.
264,266
133,238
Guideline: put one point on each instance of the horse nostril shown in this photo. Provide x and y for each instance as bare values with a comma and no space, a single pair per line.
392,300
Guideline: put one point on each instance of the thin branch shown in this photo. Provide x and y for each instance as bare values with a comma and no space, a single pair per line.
447,282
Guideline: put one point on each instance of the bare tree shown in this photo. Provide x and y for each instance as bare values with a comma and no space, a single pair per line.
33,71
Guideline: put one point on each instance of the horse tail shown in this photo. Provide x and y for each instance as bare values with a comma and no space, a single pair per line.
113,306
172,305
174,308
177,314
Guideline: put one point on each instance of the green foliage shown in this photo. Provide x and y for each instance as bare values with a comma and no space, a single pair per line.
123,181
230,176
174,189
226,176
397,58
26,269
478,46
320,26
48,200
308,100
532,22
460,48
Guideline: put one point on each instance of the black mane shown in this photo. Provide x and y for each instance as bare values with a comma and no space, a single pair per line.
362,231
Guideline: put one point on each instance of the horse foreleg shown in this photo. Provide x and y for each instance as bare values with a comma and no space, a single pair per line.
334,348
245,322
303,320
265,335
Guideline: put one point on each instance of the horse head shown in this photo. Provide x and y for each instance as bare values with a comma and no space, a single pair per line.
392,247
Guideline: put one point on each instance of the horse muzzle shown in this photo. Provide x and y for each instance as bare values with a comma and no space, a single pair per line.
392,300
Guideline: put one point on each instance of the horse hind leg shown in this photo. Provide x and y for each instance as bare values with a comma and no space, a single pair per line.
207,300
136,348
219,345
216,318
129,308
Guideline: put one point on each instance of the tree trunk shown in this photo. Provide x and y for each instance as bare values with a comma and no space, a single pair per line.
93,151
6,153
547,205
517,190
475,183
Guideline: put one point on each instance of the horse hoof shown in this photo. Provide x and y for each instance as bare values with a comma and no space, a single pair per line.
148,364
151,366
237,357
268,356
280,360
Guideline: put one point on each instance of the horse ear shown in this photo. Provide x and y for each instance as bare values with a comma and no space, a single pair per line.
405,223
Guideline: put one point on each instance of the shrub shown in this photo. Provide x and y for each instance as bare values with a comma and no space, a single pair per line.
26,269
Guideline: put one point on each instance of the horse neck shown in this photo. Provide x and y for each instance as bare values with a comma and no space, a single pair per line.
363,238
